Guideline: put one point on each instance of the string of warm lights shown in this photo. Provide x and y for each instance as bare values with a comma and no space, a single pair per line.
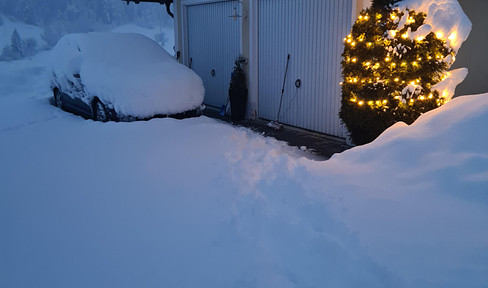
391,62
388,61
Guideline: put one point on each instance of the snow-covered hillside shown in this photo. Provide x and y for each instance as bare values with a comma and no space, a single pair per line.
40,25
199,203
26,31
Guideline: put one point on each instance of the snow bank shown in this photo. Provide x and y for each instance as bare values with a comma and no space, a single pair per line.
198,203
418,195
130,71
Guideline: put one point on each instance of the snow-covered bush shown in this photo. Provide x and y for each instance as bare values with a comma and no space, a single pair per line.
238,91
392,61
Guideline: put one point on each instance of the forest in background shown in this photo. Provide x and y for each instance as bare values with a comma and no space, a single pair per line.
59,17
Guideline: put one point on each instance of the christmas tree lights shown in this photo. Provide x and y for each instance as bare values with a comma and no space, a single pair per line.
390,63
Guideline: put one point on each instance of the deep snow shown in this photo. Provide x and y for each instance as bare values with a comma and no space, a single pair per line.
198,203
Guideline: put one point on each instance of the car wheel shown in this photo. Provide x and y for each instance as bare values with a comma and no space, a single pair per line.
57,98
99,111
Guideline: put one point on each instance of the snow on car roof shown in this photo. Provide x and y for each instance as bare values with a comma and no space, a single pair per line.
128,71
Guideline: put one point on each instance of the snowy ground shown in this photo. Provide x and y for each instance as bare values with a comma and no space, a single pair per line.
198,203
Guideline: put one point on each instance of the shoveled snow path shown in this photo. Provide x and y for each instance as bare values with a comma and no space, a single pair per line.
197,203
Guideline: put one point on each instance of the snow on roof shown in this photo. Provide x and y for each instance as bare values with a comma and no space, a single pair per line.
130,71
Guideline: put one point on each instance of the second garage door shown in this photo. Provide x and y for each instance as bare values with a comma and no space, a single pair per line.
311,31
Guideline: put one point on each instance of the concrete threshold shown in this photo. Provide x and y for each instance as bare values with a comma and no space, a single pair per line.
318,144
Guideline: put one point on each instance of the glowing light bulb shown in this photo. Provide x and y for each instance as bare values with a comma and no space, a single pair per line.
439,35
396,79
384,102
405,36
369,44
421,97
453,36
387,59
353,44
370,103
431,96
360,103
354,59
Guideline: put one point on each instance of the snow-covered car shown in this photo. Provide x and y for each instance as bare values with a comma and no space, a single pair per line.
122,77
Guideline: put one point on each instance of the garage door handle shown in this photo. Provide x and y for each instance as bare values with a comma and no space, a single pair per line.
212,72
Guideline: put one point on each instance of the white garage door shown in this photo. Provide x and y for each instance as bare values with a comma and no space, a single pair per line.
311,31
213,45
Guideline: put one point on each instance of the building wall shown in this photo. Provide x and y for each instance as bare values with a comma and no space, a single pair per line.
249,40
473,54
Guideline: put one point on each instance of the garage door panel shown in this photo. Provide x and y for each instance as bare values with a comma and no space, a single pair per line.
213,45
311,31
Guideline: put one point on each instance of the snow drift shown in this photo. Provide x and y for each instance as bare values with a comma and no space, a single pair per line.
198,203
129,71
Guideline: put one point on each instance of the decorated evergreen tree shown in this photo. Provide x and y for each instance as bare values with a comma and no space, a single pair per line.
390,63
